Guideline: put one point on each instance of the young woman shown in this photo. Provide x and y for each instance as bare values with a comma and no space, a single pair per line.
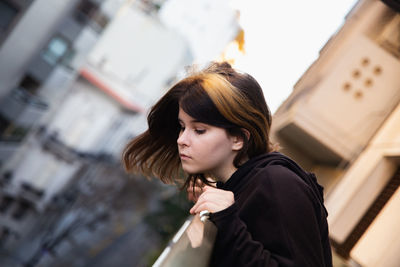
215,125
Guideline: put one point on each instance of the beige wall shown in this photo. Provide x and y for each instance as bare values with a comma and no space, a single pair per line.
380,245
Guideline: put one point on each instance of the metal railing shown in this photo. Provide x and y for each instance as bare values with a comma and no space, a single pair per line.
192,244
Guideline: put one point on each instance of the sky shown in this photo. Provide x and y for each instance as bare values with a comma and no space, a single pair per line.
283,38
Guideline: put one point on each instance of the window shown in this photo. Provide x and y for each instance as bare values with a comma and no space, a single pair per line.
5,204
85,10
88,11
8,13
29,83
7,176
22,210
55,50
28,189
389,38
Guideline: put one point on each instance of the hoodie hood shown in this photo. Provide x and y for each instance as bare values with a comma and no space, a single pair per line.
235,183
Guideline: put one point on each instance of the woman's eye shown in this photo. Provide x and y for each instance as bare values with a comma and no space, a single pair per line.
200,131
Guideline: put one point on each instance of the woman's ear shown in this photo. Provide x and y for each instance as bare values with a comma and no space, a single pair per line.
246,133
237,140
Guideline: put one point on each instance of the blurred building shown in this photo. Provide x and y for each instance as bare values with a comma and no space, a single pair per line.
40,54
128,62
66,116
207,25
42,47
342,121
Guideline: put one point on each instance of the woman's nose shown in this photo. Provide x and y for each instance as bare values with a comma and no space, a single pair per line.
183,138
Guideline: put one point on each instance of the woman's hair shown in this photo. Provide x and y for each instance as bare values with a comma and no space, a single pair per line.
218,96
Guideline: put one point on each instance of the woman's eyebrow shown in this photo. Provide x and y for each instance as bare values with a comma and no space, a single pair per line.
197,122
191,121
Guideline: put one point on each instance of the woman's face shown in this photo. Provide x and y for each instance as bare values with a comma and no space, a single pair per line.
206,149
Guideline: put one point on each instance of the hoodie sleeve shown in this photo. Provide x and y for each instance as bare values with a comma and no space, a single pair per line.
275,221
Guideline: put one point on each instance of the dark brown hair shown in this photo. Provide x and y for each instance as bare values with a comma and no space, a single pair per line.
218,96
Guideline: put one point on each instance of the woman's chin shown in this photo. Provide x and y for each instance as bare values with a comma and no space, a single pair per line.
191,171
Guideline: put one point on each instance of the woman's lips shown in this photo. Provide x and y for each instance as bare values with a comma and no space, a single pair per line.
184,156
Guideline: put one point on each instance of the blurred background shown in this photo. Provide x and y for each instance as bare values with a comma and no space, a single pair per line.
78,77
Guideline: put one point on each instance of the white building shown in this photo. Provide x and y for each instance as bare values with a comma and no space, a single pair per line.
342,122
137,58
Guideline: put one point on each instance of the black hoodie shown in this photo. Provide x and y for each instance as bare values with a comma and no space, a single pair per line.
278,218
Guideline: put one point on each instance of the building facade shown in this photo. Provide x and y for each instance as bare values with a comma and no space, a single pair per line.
342,122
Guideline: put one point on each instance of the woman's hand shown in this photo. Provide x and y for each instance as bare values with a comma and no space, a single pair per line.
211,199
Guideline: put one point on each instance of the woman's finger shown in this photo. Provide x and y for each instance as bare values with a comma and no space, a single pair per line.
213,200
